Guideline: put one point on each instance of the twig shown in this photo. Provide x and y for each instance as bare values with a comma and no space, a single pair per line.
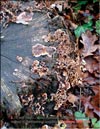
80,100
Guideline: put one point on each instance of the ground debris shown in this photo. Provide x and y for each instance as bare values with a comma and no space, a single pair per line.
71,85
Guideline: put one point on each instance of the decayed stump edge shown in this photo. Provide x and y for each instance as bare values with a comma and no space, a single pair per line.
10,100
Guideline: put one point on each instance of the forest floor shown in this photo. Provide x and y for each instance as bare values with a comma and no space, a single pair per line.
50,52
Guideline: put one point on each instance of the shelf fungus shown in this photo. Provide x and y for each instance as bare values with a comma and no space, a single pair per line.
41,50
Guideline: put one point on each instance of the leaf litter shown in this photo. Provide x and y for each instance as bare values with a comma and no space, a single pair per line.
72,83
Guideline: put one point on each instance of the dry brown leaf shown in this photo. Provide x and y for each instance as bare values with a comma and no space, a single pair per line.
91,64
97,57
95,102
88,41
96,89
89,112
72,98
91,105
89,79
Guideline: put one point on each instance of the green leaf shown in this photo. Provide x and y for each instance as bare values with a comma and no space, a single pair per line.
98,31
95,1
98,26
82,2
81,29
93,120
90,18
39,117
97,125
76,8
88,26
79,115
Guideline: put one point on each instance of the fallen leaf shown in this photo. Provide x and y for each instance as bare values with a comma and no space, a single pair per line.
91,64
72,98
91,105
90,79
95,102
96,89
88,41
